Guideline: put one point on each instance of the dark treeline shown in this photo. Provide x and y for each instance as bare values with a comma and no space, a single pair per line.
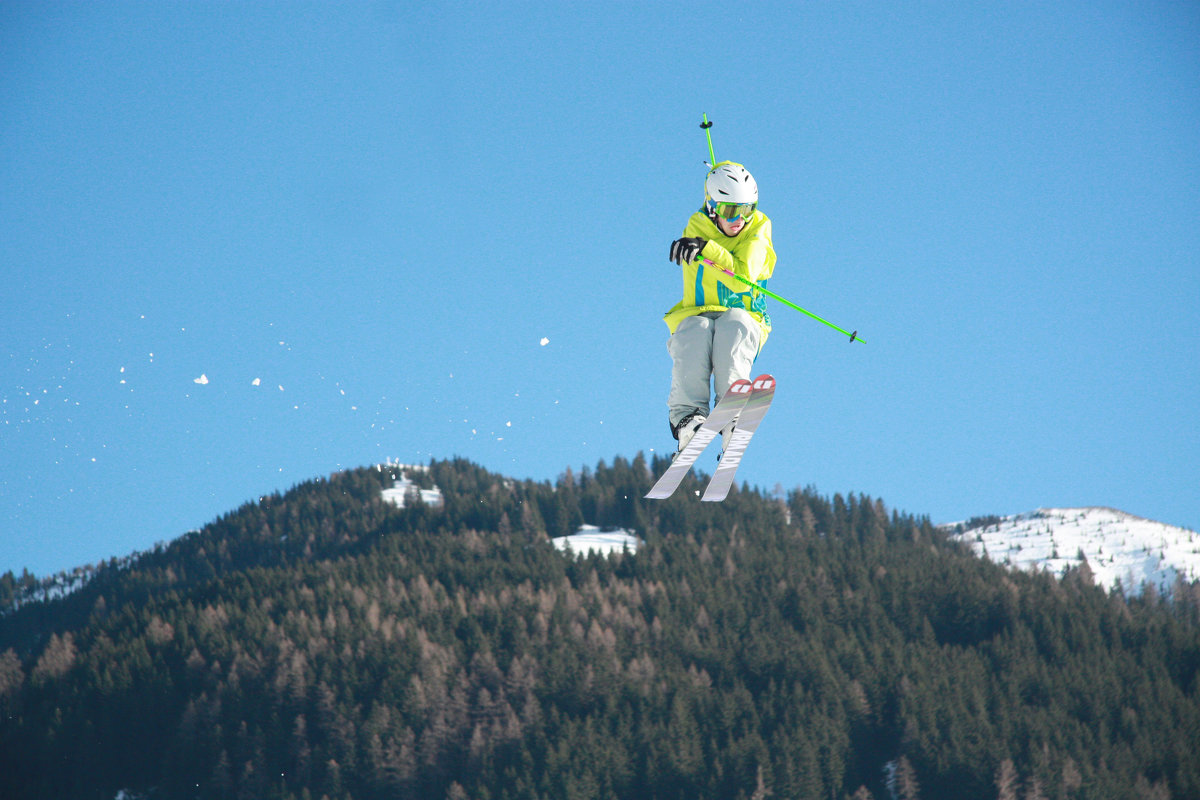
323,643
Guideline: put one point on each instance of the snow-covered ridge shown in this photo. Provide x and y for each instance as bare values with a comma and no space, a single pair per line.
1119,548
66,583
54,587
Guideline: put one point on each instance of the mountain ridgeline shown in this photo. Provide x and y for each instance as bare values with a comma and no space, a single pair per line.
323,643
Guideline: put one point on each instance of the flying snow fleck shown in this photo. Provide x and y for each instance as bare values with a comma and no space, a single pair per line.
545,341
202,380
256,382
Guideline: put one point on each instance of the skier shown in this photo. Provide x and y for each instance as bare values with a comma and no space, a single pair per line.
720,325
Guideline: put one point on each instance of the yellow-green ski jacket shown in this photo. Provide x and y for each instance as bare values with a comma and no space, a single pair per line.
749,254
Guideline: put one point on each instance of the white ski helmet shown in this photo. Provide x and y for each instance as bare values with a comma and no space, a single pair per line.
730,183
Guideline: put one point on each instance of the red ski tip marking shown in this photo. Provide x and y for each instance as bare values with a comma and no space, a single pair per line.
763,382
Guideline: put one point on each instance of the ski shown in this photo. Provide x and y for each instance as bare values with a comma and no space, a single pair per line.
727,410
755,409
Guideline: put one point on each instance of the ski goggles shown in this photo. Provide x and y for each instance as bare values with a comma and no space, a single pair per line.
732,211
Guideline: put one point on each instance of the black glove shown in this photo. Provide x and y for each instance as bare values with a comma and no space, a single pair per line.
686,249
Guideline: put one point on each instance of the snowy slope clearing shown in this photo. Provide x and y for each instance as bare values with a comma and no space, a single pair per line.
1119,547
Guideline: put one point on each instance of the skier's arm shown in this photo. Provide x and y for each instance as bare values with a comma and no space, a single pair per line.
751,258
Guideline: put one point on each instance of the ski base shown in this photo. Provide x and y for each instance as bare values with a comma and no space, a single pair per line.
726,411
747,402
753,413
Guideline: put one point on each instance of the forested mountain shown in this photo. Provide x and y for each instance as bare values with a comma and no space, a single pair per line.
325,643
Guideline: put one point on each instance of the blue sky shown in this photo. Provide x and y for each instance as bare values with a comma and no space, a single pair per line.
378,211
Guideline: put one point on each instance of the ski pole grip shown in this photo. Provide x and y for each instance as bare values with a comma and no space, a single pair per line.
706,125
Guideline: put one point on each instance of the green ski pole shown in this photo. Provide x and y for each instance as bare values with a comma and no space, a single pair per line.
853,336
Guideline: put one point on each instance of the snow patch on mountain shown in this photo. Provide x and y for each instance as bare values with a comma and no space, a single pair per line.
1120,549
590,538
404,491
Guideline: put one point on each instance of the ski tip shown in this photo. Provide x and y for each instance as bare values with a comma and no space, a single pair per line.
764,382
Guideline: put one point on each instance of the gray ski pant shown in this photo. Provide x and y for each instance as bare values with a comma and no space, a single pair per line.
720,346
